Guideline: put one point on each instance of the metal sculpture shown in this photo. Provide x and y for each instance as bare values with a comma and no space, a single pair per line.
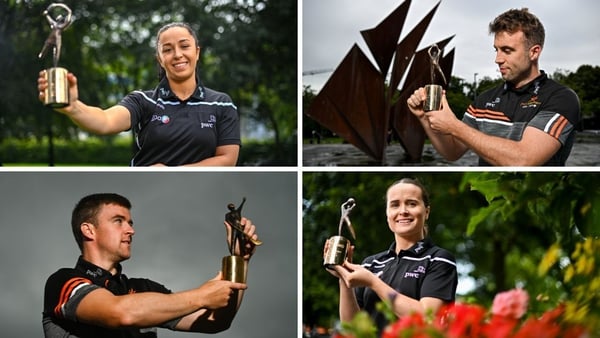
358,105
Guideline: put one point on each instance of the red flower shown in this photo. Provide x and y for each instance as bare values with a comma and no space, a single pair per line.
461,320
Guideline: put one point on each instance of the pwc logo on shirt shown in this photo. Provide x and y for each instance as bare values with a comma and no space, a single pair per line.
164,119
420,270
210,123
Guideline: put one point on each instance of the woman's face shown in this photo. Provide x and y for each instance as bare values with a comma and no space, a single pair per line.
405,210
177,53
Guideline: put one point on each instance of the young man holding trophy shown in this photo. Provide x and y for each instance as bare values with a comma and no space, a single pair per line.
95,299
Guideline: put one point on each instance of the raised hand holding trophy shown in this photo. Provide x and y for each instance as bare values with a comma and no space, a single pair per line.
433,96
235,266
337,248
57,93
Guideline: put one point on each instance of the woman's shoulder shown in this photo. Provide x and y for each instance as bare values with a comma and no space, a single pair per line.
439,252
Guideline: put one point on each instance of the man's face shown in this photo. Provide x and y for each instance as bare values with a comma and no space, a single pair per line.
114,232
515,58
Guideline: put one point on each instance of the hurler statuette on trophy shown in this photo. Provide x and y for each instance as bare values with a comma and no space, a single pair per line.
433,97
337,249
57,93
235,267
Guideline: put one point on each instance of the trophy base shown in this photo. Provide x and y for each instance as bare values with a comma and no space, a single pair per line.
337,251
234,269
57,93
433,97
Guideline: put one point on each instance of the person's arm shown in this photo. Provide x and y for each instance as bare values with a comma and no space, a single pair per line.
355,275
212,320
452,137
93,119
147,309
445,144
216,320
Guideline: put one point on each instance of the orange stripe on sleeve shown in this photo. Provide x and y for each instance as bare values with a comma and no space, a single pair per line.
558,127
66,291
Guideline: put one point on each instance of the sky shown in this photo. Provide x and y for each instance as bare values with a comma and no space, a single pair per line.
179,239
331,27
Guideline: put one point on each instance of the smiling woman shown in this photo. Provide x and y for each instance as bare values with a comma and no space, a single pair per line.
414,274
180,122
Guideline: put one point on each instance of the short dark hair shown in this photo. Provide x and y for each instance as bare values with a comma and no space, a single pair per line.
87,209
515,20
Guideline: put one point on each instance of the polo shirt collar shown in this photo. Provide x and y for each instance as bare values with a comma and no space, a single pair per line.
416,250
95,273
533,87
165,93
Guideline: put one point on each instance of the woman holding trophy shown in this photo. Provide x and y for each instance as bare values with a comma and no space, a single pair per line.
413,273
180,122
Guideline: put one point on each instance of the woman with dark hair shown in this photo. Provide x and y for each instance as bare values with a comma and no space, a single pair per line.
180,122
415,274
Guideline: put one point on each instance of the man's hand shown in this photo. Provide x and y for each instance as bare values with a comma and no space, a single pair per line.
442,121
217,292
250,231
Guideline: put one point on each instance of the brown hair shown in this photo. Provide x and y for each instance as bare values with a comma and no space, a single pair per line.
515,20
87,210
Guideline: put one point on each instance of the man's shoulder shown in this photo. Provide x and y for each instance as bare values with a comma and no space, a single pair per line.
63,275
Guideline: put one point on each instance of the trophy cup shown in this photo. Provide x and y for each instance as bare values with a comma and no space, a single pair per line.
57,93
337,249
234,267
433,96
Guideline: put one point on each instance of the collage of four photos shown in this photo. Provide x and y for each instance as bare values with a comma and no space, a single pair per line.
389,168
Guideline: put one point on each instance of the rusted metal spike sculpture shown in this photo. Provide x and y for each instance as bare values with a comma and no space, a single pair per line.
382,39
354,103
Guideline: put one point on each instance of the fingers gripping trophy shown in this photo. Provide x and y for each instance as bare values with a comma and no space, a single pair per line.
57,94
234,266
337,246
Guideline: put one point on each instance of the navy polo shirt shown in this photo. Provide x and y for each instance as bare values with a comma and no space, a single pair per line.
174,132
505,111
68,286
424,270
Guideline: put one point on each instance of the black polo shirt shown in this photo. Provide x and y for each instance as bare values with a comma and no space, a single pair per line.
424,270
506,111
67,287
174,132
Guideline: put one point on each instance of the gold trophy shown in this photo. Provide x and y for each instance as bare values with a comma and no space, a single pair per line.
433,92
57,93
337,248
235,267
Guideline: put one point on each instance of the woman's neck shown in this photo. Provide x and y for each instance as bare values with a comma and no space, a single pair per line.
405,243
183,89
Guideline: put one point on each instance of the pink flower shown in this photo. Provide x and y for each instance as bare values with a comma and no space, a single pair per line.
512,303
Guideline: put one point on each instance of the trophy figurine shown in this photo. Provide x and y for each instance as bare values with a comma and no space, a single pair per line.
337,249
234,267
433,96
57,93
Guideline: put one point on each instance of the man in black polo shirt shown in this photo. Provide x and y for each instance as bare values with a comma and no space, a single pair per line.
95,299
414,273
529,120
